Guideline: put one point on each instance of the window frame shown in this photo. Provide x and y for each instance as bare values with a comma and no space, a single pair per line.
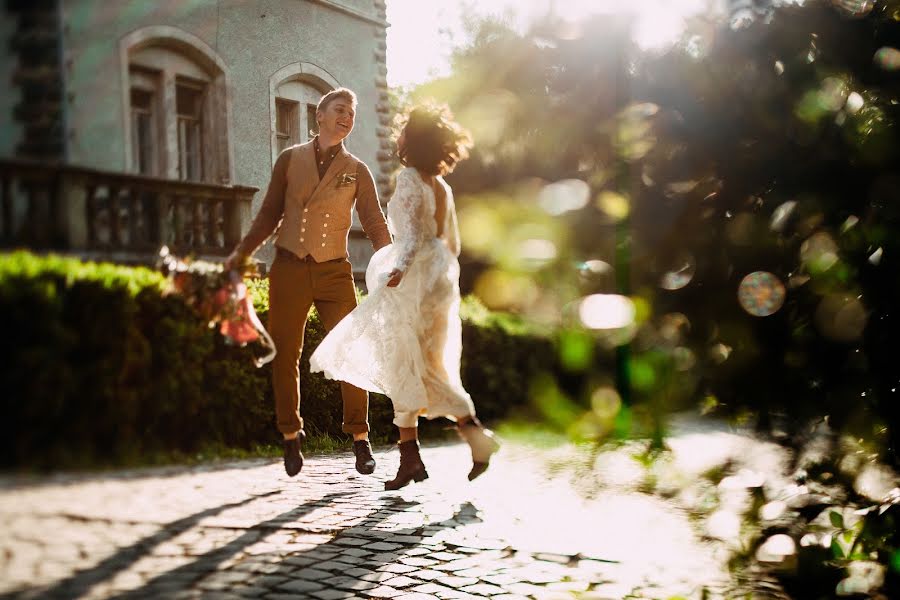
173,52
188,169
147,81
286,110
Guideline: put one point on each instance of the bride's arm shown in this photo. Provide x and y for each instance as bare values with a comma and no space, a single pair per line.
407,212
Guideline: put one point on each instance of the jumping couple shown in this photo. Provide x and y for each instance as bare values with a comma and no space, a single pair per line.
405,339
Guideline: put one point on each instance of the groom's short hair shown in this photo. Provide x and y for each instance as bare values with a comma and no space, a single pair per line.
333,95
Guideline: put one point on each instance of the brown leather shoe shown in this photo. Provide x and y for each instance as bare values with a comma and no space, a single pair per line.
411,466
293,455
365,462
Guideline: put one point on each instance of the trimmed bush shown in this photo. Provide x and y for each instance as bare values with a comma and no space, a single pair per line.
107,368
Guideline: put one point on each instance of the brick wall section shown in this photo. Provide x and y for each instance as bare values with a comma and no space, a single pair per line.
38,75
387,162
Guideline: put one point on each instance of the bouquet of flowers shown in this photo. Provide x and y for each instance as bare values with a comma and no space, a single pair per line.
220,297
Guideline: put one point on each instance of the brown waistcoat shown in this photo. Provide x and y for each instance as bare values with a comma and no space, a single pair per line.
317,214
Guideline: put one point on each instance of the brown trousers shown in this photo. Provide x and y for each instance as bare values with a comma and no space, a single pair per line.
294,286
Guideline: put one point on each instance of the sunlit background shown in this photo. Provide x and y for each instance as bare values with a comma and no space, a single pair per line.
690,200
423,35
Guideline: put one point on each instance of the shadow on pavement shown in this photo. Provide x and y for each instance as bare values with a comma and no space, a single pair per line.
299,569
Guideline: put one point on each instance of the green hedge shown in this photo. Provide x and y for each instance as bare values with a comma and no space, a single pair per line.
105,368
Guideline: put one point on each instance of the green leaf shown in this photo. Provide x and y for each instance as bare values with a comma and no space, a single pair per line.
836,519
836,549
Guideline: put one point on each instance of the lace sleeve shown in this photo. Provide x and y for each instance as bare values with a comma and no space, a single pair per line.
452,224
407,214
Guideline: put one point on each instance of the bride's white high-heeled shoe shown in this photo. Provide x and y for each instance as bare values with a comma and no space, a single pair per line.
482,443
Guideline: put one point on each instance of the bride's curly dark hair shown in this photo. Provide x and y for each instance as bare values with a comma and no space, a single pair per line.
434,142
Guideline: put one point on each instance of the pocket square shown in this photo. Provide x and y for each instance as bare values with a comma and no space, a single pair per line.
346,179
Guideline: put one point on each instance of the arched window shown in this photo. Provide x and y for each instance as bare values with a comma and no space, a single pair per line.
295,116
295,91
177,107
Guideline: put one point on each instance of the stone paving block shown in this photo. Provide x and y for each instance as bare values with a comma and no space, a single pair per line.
445,556
258,566
352,583
430,588
312,574
321,554
270,581
417,551
397,568
382,592
382,546
384,557
525,589
378,576
417,596
401,581
352,541
500,579
222,580
476,572
350,560
404,539
530,574
456,582
418,561
300,586
436,546
358,552
359,532
457,595
300,560
333,595
250,591
357,572
426,574
509,597
483,589
453,565
330,565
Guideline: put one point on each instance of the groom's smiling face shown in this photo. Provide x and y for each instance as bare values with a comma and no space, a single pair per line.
337,119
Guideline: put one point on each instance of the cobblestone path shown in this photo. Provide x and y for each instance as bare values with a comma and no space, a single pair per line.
246,530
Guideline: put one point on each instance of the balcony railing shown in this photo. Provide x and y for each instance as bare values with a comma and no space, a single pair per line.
116,216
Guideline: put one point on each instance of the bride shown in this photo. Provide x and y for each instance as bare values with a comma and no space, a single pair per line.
405,339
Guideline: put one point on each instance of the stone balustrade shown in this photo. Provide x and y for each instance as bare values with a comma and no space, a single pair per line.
116,216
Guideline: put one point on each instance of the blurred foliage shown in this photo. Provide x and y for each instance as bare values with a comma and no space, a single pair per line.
711,223
108,368
738,187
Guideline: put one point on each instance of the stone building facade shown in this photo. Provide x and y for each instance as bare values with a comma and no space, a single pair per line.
191,90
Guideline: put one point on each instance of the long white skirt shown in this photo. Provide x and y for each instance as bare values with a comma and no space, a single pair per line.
404,342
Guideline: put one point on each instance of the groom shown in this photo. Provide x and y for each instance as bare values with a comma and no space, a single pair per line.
312,192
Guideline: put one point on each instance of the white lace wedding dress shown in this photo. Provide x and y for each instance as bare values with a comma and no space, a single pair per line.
405,342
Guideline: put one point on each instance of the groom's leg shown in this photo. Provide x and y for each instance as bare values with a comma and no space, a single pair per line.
335,297
290,297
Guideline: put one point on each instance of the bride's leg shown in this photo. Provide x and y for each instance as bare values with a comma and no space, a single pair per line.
481,442
411,466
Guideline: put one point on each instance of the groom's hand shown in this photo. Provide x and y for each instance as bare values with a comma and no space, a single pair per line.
394,278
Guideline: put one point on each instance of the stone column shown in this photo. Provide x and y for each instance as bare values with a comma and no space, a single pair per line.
387,163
